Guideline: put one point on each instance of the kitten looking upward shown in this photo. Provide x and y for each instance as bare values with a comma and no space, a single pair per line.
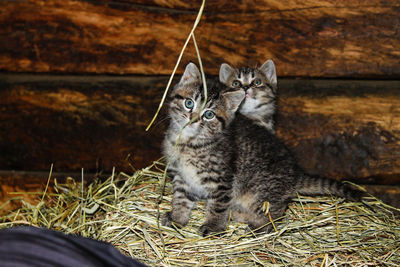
260,85
201,162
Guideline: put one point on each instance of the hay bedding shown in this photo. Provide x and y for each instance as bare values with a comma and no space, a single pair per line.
123,210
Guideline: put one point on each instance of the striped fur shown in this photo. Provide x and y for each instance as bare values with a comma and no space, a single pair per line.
231,161
260,85
265,170
200,161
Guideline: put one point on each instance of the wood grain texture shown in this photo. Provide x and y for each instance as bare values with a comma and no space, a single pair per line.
309,39
337,128
92,123
343,128
224,6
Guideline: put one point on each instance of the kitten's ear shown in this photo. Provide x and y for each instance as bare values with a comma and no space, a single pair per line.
191,74
268,68
225,71
233,99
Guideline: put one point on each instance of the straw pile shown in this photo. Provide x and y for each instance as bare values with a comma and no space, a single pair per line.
123,210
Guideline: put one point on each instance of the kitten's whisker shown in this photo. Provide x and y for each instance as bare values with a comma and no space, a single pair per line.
162,120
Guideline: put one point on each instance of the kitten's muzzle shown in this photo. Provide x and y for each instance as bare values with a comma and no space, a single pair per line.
245,88
195,117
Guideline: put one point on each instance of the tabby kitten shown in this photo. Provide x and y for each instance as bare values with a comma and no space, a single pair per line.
230,161
201,160
266,171
260,85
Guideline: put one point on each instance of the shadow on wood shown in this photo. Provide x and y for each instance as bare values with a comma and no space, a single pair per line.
343,129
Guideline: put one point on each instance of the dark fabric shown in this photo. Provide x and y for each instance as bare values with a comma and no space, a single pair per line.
30,246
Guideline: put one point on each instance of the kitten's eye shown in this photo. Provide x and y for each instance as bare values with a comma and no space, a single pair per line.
189,103
257,82
209,114
236,84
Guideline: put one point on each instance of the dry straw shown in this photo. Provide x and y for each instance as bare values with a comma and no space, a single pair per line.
125,209
122,210
190,36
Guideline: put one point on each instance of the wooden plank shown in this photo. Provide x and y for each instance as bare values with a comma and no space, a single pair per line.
344,129
309,39
93,123
241,6
253,6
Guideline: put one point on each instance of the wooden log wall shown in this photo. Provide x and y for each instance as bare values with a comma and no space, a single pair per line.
346,129
78,122
80,79
305,38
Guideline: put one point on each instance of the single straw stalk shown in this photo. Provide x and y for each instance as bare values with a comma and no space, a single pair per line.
191,35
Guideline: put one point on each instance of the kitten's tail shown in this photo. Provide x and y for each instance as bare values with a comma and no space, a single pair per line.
310,185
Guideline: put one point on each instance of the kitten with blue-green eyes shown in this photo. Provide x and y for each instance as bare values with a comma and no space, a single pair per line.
260,85
199,152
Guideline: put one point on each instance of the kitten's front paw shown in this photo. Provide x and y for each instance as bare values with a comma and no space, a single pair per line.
210,228
166,219
259,229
